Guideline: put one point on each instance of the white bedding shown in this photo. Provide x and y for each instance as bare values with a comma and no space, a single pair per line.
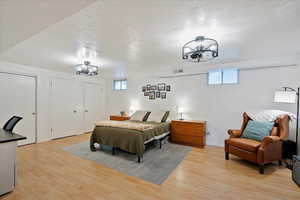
125,124
270,115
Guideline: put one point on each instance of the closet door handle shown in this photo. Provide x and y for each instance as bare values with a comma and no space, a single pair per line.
74,111
33,113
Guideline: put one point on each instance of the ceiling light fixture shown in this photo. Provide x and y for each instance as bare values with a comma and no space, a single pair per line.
200,49
86,69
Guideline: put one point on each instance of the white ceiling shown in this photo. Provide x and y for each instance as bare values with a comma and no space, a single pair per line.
142,36
21,19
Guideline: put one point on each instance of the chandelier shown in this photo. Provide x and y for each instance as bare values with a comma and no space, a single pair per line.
200,49
86,69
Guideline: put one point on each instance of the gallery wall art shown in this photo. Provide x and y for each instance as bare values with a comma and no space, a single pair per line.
158,91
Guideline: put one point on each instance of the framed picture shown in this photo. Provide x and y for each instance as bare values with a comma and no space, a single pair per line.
168,88
144,88
157,94
146,94
148,87
152,95
163,95
154,87
161,86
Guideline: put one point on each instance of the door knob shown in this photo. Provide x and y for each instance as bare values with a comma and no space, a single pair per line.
86,111
74,111
33,113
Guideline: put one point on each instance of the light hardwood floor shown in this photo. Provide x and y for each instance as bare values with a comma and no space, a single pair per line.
47,172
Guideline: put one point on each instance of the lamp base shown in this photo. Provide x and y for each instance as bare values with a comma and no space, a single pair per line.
181,116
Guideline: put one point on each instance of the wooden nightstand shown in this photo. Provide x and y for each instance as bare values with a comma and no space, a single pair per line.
188,132
118,118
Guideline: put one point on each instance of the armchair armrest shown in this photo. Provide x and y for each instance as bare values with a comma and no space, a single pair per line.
234,133
268,140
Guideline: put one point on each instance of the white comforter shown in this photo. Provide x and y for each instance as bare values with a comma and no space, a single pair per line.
270,115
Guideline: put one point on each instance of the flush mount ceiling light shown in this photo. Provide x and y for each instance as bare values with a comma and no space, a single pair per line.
200,49
86,69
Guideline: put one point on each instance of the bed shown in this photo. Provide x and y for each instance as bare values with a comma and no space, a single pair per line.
130,135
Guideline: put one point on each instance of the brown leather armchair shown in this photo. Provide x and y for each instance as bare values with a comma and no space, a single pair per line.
261,153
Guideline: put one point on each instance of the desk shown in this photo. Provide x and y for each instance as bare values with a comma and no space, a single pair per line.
8,145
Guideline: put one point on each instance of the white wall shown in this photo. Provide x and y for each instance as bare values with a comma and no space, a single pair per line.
221,106
43,92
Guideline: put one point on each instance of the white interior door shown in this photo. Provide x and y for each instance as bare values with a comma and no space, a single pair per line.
93,100
18,97
78,105
67,116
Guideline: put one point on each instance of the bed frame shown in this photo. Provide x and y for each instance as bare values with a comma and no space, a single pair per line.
159,138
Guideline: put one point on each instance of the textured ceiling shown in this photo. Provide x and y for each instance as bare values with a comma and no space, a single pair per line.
142,36
20,19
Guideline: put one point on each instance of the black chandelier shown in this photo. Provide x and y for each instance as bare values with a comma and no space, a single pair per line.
86,69
200,49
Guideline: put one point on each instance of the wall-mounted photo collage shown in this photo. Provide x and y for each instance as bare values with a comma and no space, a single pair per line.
158,91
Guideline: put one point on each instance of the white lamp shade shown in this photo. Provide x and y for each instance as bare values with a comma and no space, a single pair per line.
180,110
285,97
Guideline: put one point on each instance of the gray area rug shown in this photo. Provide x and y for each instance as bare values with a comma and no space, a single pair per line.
157,163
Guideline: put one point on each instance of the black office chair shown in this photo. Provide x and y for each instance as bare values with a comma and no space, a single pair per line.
11,123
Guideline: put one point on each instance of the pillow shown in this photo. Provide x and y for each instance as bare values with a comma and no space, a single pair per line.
165,117
138,115
257,130
156,116
146,116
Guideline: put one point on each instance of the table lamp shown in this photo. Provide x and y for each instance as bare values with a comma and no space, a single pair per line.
180,111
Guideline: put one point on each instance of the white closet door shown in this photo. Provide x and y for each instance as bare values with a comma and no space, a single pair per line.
18,97
78,105
67,108
93,102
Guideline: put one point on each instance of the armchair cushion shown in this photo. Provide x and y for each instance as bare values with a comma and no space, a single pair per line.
245,144
257,130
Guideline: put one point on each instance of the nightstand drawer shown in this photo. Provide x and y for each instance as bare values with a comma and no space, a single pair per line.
192,131
188,128
185,124
191,140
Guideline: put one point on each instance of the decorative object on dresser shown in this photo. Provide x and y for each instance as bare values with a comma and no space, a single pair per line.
119,118
158,91
123,113
268,150
188,132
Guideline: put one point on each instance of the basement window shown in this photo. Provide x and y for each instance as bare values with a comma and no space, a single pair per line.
120,84
223,76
